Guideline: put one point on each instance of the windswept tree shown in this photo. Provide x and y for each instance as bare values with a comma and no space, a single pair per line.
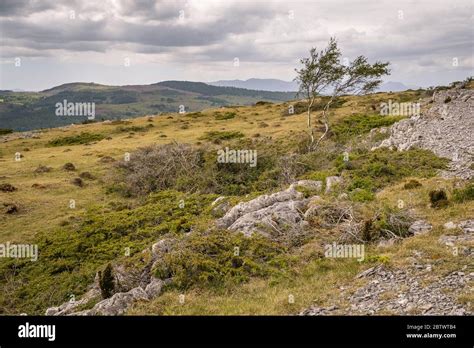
323,71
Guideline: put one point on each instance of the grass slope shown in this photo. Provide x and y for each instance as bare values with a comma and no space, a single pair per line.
75,243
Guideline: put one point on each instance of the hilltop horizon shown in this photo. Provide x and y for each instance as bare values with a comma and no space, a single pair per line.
249,84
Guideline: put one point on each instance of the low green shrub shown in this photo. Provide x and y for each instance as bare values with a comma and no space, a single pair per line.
195,114
412,184
219,259
70,256
464,194
82,138
225,116
362,195
137,129
438,198
4,131
372,170
388,222
301,106
360,124
218,136
262,102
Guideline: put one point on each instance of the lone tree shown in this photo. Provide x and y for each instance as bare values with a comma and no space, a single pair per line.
107,282
323,71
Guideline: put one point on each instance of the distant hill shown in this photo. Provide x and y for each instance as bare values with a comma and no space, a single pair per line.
259,84
284,86
33,110
392,86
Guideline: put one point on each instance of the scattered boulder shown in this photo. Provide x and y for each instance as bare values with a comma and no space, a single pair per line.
125,278
256,204
453,240
70,306
450,225
467,237
269,214
272,219
467,226
386,243
275,215
331,181
419,227
153,289
118,303
220,207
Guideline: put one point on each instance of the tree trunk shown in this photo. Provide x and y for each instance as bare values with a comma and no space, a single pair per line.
310,127
325,120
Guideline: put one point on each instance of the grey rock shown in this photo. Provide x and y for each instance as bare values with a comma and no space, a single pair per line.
70,306
467,226
162,246
308,184
385,243
153,289
420,227
331,181
119,302
256,204
277,216
450,225
220,206
445,129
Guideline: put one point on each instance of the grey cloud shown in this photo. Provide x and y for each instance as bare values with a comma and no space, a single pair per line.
430,34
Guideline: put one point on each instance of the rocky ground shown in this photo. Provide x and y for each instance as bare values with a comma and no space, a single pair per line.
445,128
284,216
403,292
414,290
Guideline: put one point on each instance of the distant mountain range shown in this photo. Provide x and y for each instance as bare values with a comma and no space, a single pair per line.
32,110
284,86
392,86
259,84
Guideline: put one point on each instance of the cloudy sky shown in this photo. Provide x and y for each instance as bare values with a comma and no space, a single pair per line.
50,42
